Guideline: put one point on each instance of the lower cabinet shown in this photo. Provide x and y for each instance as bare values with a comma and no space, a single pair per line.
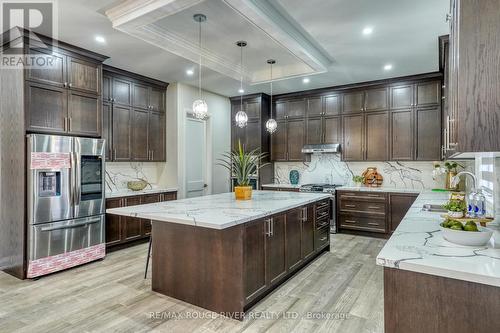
274,248
375,213
122,229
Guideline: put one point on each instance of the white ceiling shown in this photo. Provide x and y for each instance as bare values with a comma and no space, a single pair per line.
404,34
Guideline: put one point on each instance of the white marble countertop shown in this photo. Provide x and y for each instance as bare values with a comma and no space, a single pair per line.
281,185
417,245
129,193
220,211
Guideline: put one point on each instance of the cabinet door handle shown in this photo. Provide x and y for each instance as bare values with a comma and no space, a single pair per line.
351,206
304,214
65,84
70,85
114,153
350,221
152,155
322,239
69,124
373,223
65,124
373,207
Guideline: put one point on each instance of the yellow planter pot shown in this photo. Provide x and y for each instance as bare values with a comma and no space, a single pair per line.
243,192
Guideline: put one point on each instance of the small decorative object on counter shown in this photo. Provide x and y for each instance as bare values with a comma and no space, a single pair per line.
450,170
372,178
243,165
468,234
358,180
138,185
455,208
294,177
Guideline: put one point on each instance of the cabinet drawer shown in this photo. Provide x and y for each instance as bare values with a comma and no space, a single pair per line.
323,204
362,223
322,238
323,222
363,206
363,196
322,213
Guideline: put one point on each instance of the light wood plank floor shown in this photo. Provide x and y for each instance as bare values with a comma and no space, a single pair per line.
341,291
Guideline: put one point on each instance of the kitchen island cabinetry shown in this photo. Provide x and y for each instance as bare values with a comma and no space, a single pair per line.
228,262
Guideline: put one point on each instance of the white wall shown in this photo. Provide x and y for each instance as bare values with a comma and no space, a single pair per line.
180,98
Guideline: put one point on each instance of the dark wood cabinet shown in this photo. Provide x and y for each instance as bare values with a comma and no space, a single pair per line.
125,230
106,129
46,108
332,130
84,114
322,124
353,129
399,204
84,75
308,229
139,135
137,106
377,99
353,102
402,135
113,223
402,96
428,123
332,106
473,122
121,128
255,258
314,106
65,97
295,139
276,249
279,145
294,238
377,136
314,130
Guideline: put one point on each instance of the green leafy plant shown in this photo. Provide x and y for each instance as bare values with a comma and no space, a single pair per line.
243,164
358,179
455,206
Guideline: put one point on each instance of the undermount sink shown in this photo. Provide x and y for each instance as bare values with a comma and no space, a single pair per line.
433,208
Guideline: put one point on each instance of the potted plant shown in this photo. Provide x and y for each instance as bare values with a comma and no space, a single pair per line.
455,208
450,169
358,180
243,165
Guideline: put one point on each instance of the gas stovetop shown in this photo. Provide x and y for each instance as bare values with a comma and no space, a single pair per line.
326,188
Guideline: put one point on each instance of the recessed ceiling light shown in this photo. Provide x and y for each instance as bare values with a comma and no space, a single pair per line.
388,67
241,91
100,39
189,72
367,31
306,80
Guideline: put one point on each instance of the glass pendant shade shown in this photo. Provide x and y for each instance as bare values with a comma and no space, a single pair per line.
271,125
241,119
200,109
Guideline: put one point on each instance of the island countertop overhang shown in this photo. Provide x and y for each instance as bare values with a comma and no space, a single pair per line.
220,211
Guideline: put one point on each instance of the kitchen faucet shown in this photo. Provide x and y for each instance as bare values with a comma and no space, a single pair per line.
456,179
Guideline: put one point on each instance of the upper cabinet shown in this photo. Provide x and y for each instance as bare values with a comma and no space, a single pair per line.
471,123
64,98
135,116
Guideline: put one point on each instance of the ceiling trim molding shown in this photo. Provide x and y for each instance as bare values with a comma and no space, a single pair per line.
137,18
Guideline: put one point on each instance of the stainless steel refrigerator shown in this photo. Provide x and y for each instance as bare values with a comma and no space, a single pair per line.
66,202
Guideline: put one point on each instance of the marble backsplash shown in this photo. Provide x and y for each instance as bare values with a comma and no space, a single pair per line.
119,173
328,168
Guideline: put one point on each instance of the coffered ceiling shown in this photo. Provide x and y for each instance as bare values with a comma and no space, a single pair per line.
320,40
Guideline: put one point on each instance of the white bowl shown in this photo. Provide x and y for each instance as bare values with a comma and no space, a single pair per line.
468,238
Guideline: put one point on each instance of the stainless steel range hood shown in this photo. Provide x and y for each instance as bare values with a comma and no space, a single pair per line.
332,148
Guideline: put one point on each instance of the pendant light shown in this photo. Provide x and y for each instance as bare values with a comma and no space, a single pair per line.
271,124
241,117
200,107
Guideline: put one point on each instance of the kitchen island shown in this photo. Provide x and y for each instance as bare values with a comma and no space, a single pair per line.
432,285
225,255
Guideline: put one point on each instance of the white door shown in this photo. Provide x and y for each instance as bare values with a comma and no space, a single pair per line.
196,158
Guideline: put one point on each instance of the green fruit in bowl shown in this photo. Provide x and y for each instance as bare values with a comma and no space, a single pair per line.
457,226
471,227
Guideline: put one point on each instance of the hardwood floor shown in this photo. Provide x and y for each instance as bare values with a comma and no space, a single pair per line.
344,287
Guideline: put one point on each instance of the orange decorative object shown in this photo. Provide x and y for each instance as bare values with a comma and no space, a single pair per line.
243,192
372,177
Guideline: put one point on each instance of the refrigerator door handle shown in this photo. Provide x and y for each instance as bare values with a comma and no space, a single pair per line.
72,226
78,181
